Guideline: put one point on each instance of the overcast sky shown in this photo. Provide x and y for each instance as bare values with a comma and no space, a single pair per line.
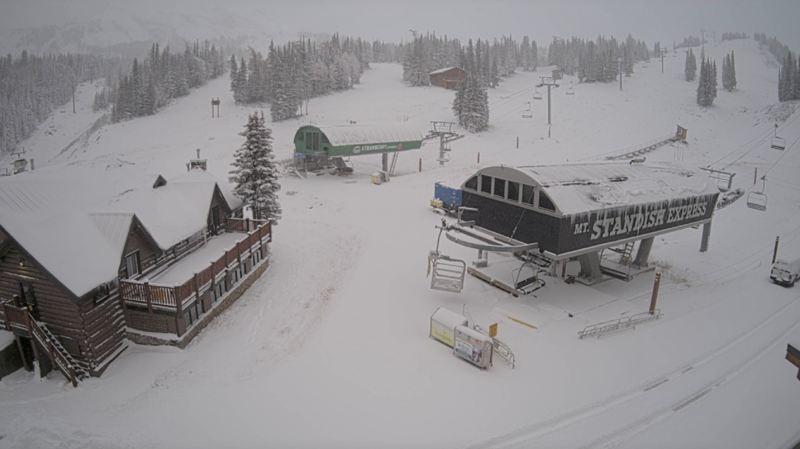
663,20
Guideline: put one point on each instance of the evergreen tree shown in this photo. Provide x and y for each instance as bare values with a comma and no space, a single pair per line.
691,66
732,68
234,73
255,174
728,73
707,86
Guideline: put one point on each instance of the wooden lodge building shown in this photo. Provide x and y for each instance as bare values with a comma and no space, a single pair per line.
449,77
90,260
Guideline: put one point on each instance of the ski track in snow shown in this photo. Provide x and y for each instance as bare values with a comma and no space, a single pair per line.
572,422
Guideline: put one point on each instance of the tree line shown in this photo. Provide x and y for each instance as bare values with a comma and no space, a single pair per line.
32,87
428,53
162,76
292,74
789,73
597,61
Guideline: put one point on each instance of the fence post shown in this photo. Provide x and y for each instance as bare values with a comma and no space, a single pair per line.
775,253
655,294
147,297
755,176
420,165
247,225
479,157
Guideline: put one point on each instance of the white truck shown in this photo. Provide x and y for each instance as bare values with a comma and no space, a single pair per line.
785,273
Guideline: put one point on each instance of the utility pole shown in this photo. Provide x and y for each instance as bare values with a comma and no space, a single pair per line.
549,82
619,61
703,44
663,53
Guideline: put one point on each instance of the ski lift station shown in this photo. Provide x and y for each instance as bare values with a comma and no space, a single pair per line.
575,211
322,147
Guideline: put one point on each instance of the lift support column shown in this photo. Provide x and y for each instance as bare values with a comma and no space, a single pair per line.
385,160
645,245
706,237
590,266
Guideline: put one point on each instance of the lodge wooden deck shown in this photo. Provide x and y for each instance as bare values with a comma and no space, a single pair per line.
174,299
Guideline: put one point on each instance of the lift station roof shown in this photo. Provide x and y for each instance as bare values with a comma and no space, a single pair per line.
352,140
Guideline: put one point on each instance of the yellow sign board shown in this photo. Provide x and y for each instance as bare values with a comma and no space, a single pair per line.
493,330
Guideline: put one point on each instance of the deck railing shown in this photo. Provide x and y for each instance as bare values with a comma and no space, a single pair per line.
178,297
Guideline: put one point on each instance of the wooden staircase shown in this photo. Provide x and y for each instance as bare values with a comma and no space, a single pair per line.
19,321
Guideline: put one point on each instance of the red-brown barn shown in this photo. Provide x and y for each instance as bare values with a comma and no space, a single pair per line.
449,77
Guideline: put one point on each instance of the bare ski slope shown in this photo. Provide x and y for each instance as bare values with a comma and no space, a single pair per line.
330,347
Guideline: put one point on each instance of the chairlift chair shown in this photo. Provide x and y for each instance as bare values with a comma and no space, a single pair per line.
571,89
758,200
527,113
778,143
536,94
447,273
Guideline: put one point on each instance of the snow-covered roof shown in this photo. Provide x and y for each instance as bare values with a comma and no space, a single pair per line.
75,221
360,135
443,70
585,187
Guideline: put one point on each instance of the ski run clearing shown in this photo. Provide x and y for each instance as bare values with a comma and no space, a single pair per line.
330,347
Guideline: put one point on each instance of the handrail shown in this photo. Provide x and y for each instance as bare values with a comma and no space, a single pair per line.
630,149
57,358
620,324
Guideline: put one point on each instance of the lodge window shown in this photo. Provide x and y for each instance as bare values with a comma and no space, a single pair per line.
325,139
500,187
513,191
527,194
545,202
486,184
132,264
472,184
300,136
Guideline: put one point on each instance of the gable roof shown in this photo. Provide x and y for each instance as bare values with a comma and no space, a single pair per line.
75,221
436,72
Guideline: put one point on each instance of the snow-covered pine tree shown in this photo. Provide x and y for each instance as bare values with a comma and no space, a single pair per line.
240,94
255,174
702,86
234,68
691,66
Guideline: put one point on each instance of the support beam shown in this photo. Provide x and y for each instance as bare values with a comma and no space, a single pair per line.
645,245
385,161
706,237
590,266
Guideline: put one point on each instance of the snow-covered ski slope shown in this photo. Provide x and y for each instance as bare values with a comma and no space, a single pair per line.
330,347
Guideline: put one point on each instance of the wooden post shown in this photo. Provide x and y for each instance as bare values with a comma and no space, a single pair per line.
179,323
655,294
563,269
247,225
147,297
479,157
5,315
420,165
755,176
22,353
775,253
517,142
